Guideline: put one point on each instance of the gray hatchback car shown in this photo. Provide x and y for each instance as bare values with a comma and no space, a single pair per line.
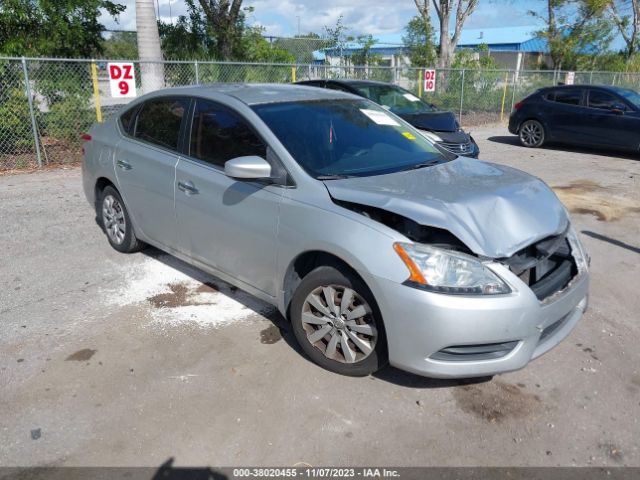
377,245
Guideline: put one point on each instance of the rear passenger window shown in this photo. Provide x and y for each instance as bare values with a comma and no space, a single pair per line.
159,121
126,117
218,135
603,100
568,97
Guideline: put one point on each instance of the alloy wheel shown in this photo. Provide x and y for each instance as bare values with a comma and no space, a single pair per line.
113,218
531,134
340,323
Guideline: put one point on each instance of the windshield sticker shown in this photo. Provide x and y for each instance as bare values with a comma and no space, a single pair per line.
380,118
408,135
411,98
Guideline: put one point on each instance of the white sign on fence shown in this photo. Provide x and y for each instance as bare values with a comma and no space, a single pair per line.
570,78
122,80
430,80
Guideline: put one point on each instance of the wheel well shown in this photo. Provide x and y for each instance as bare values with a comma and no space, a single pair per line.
101,184
306,262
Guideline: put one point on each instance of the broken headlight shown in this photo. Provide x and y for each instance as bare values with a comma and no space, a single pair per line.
446,271
579,253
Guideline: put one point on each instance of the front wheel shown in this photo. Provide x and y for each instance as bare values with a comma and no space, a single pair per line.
532,134
337,323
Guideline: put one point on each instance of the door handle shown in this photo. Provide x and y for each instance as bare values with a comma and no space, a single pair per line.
124,165
187,187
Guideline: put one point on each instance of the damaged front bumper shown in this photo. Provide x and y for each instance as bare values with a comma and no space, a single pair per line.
445,336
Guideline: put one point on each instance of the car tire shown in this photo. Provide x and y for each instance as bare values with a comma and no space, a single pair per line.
532,134
340,305
116,223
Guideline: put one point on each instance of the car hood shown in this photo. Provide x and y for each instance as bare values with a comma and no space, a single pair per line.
436,121
493,209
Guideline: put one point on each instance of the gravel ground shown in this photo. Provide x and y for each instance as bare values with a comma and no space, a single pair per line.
110,359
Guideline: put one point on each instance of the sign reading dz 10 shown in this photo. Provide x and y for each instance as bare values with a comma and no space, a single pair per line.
122,80
430,80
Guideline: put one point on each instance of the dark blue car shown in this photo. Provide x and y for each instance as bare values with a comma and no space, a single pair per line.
585,115
439,126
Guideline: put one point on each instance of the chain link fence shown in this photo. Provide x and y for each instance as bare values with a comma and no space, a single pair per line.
47,104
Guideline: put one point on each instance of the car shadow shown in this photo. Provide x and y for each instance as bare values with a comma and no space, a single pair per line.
167,471
410,380
604,152
259,307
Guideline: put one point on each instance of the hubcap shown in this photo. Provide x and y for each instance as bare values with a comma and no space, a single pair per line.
339,322
113,219
531,134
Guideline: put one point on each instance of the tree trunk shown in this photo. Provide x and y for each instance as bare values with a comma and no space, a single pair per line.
149,46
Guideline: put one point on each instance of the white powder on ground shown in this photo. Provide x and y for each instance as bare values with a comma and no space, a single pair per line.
200,305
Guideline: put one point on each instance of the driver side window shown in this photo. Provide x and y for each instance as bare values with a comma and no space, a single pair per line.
603,100
218,135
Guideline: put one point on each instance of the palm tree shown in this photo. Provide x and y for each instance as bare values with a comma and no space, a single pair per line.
149,46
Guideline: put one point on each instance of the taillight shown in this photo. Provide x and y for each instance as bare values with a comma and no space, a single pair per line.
518,105
85,137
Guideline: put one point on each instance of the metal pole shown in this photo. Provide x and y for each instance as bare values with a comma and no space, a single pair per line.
591,77
461,95
513,93
34,126
197,73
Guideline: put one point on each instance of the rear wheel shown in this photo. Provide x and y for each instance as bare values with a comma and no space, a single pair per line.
532,134
337,323
116,223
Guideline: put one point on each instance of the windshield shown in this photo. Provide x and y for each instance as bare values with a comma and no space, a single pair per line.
396,99
338,138
631,96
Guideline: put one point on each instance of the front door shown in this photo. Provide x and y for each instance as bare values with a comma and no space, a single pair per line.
611,122
228,224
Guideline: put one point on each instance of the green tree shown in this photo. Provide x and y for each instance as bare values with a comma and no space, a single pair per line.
574,27
227,22
628,24
336,37
120,45
418,40
57,28
365,56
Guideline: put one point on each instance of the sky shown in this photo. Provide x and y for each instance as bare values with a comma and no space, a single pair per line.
381,18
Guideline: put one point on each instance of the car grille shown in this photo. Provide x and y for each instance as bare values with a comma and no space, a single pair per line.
457,148
546,266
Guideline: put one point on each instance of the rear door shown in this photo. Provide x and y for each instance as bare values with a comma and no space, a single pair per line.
610,121
564,114
145,162
228,224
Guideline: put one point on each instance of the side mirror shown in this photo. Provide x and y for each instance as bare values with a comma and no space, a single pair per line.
618,108
249,168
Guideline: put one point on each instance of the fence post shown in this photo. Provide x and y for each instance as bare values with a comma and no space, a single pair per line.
591,77
197,73
34,126
513,93
96,91
461,95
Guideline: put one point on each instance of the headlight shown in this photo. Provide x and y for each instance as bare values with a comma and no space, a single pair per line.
579,253
430,136
446,271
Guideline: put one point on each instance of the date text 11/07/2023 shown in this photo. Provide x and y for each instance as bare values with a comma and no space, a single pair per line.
315,472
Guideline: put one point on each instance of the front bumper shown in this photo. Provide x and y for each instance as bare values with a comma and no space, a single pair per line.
420,325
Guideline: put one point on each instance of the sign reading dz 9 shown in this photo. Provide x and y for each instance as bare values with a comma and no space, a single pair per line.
122,80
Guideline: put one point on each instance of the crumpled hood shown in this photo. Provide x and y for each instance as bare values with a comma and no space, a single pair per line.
493,209
436,121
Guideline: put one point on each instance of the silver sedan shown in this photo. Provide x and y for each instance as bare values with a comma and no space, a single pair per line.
379,246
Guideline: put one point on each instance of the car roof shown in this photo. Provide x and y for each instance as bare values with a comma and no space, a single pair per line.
353,83
255,93
602,87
